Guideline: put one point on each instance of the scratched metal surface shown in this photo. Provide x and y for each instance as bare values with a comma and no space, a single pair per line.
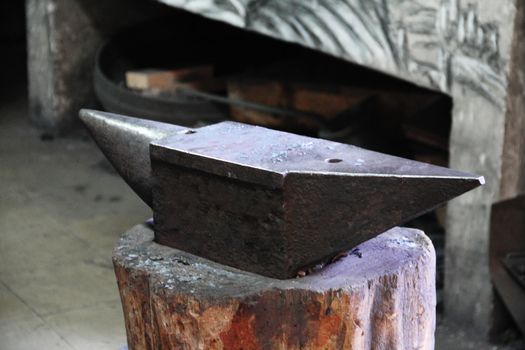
434,43
272,196
126,145
255,154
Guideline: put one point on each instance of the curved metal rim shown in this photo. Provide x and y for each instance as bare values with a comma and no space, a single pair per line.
180,109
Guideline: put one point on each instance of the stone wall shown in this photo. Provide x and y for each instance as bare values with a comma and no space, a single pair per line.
62,40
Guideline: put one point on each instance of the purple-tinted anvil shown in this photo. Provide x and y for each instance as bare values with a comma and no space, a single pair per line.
266,201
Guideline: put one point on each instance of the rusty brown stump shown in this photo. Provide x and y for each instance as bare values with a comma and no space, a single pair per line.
379,297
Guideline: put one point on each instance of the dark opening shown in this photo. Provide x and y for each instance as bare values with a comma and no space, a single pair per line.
13,49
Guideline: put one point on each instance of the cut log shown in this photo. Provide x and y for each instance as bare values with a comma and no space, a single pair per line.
381,296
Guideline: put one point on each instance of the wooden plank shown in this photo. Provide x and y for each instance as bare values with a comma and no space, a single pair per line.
167,80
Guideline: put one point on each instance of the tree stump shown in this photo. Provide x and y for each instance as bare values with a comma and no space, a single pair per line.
379,296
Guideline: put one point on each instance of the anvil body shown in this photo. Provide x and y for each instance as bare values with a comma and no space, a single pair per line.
271,202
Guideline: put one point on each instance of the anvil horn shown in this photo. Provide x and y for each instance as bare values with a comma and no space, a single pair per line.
125,142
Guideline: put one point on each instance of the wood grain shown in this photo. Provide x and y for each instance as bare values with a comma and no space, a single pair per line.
384,299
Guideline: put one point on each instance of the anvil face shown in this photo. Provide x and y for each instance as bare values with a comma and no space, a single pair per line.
263,156
272,202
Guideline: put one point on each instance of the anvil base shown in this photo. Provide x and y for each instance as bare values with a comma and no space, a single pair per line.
382,298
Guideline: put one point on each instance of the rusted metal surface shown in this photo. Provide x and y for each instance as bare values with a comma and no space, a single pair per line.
125,142
515,264
271,202
506,239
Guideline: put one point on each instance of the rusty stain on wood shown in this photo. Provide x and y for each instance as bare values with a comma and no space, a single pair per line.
386,299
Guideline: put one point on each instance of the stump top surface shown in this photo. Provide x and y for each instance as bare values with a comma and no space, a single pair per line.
172,269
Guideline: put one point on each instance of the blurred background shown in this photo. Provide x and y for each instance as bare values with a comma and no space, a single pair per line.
62,206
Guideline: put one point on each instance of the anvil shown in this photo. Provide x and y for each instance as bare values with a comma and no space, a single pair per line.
266,201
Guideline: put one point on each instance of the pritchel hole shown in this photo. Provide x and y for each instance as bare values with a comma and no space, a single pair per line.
189,131
334,160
